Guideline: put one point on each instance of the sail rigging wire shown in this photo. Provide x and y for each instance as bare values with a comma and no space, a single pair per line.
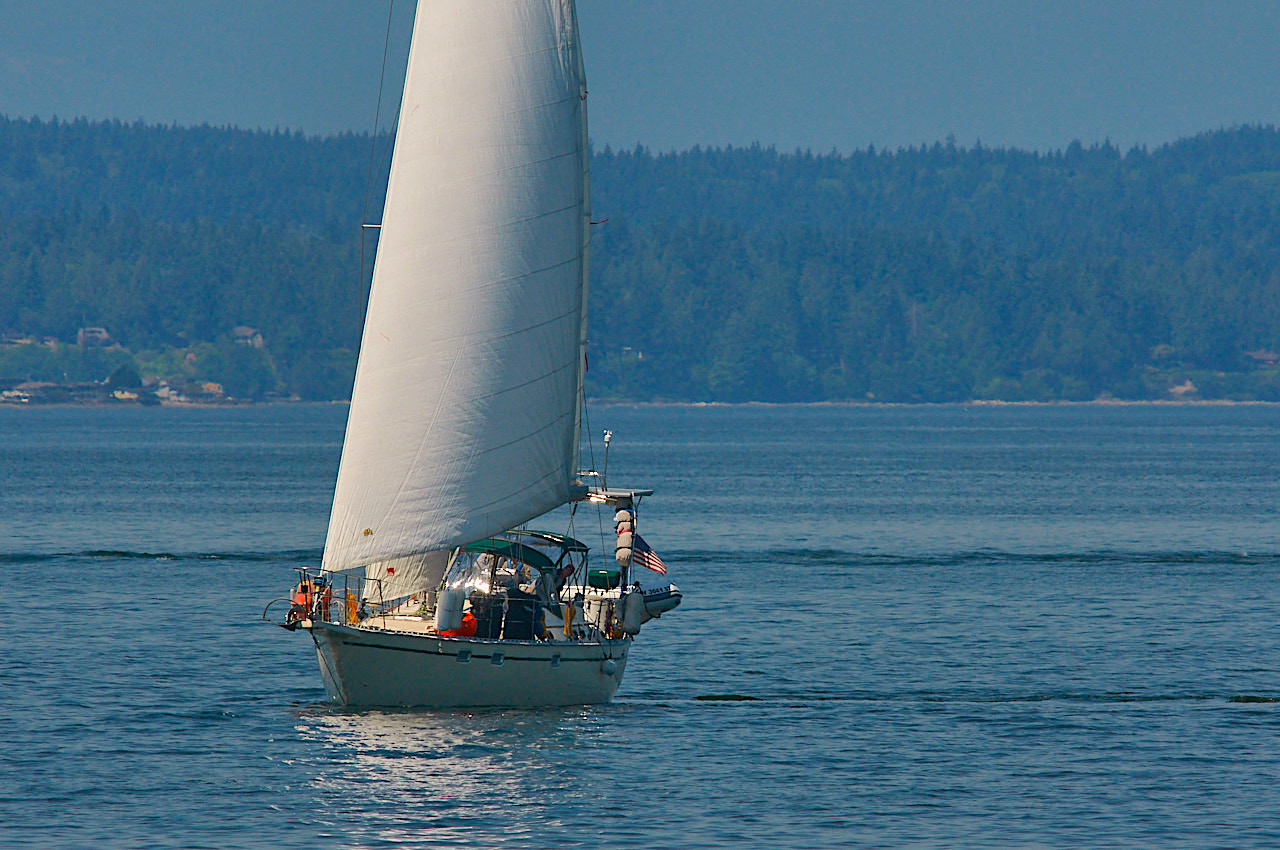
591,443
373,142
591,447
573,513
377,114
600,522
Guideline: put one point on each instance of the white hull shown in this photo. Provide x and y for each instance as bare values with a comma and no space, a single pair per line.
363,667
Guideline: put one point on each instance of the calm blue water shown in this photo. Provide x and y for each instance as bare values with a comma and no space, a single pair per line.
964,626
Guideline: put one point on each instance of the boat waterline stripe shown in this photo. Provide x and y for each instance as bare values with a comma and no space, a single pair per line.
505,657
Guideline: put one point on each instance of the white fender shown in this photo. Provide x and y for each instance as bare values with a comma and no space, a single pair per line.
449,609
633,613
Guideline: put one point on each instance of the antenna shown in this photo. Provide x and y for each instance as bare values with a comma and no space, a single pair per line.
604,476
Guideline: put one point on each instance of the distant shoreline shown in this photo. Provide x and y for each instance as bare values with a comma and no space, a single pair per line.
240,405
973,403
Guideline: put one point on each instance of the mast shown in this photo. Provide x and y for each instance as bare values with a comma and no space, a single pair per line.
586,245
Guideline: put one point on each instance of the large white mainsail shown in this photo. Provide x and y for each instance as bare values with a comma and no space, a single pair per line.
463,418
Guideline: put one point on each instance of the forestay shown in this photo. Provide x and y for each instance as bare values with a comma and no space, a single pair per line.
464,414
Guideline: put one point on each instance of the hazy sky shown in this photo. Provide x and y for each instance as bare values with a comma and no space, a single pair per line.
673,73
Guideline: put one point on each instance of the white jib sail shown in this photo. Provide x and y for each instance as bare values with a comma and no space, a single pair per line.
463,414
386,581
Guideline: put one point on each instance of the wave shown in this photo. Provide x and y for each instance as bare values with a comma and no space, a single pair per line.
287,556
856,558
774,557
962,697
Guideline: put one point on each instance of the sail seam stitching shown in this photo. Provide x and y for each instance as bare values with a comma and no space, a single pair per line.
528,436
506,225
523,166
551,321
529,486
488,285
530,382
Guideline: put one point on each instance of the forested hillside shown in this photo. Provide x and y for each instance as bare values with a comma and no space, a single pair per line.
928,274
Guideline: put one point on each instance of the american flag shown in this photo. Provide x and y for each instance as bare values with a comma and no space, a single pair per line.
644,556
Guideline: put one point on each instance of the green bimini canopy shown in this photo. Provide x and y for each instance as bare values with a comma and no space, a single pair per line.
551,538
514,551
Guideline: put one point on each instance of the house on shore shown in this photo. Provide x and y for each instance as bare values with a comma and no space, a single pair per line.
92,336
247,336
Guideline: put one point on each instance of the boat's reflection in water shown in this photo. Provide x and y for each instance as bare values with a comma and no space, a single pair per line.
452,778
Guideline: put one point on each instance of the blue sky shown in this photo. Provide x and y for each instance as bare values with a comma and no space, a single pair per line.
669,74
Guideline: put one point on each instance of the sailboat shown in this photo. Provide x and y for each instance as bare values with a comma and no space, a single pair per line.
466,415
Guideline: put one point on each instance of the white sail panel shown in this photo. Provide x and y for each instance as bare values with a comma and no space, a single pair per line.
388,580
464,409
